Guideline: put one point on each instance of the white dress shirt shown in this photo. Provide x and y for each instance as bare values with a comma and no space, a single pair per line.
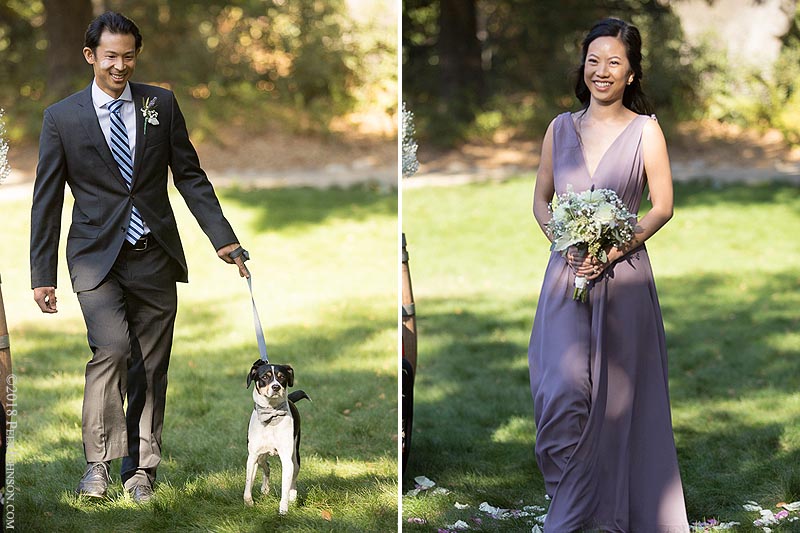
101,99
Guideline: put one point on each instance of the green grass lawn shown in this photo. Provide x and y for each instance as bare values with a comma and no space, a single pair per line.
324,272
728,274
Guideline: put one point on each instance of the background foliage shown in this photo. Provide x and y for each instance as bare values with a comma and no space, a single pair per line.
528,52
299,63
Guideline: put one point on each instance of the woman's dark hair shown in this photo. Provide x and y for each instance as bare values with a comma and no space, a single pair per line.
113,23
633,98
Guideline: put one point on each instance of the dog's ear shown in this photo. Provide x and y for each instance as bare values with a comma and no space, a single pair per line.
290,374
253,375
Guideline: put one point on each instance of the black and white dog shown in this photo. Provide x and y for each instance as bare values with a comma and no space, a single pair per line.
274,429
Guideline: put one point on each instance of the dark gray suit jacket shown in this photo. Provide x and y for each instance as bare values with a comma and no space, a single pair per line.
73,150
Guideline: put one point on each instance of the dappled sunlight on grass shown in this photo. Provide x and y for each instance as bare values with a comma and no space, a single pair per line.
274,210
325,282
516,429
348,469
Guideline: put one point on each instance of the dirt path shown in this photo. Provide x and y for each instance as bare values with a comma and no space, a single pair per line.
266,161
719,153
714,152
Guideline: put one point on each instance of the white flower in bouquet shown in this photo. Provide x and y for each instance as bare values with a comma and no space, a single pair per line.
5,168
592,221
410,163
605,215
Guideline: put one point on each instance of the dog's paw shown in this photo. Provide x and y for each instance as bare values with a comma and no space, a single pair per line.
284,507
292,495
265,488
248,501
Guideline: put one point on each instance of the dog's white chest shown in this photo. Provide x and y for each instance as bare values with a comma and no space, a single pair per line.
271,438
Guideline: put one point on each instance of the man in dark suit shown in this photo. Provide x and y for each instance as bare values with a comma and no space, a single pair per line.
112,144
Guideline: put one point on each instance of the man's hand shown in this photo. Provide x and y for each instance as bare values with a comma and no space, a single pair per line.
46,298
223,254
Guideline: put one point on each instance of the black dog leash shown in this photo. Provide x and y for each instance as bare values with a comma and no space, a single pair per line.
262,345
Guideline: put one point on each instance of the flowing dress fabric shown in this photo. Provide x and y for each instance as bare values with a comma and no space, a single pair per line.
598,371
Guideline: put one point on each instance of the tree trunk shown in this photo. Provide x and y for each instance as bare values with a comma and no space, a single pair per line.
460,57
65,27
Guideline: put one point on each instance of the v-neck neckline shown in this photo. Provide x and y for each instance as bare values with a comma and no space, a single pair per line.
603,157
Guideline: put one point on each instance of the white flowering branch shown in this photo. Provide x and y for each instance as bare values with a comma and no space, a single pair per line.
410,163
5,168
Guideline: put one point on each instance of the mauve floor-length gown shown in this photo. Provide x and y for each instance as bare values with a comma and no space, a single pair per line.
598,370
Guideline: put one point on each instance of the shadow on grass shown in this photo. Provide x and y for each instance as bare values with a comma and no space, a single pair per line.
279,209
725,467
709,193
472,380
728,340
215,505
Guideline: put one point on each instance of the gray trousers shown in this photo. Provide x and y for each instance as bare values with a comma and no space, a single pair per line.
129,322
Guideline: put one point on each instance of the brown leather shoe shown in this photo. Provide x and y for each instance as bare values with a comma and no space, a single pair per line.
95,480
141,493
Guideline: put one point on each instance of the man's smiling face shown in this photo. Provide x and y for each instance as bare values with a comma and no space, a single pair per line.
113,61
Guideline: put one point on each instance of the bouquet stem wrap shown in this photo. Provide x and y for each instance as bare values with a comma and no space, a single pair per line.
581,291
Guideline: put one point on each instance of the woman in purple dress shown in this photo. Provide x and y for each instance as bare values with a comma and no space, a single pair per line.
598,369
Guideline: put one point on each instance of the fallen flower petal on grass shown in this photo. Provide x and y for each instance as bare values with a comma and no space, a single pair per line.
794,506
496,513
769,518
488,509
417,520
533,508
424,483
712,524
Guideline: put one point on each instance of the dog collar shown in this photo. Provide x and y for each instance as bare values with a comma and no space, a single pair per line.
267,414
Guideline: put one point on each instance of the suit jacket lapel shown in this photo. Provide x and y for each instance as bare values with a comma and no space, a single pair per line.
88,118
141,138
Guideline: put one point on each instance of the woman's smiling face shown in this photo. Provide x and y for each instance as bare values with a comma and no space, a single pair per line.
607,70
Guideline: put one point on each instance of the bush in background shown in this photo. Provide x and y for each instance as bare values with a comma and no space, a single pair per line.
294,63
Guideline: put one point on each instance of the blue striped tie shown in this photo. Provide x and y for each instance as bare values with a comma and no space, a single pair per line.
121,151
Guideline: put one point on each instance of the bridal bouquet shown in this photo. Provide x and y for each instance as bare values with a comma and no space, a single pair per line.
591,220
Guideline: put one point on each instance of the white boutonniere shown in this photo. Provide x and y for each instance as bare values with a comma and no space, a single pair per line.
149,112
